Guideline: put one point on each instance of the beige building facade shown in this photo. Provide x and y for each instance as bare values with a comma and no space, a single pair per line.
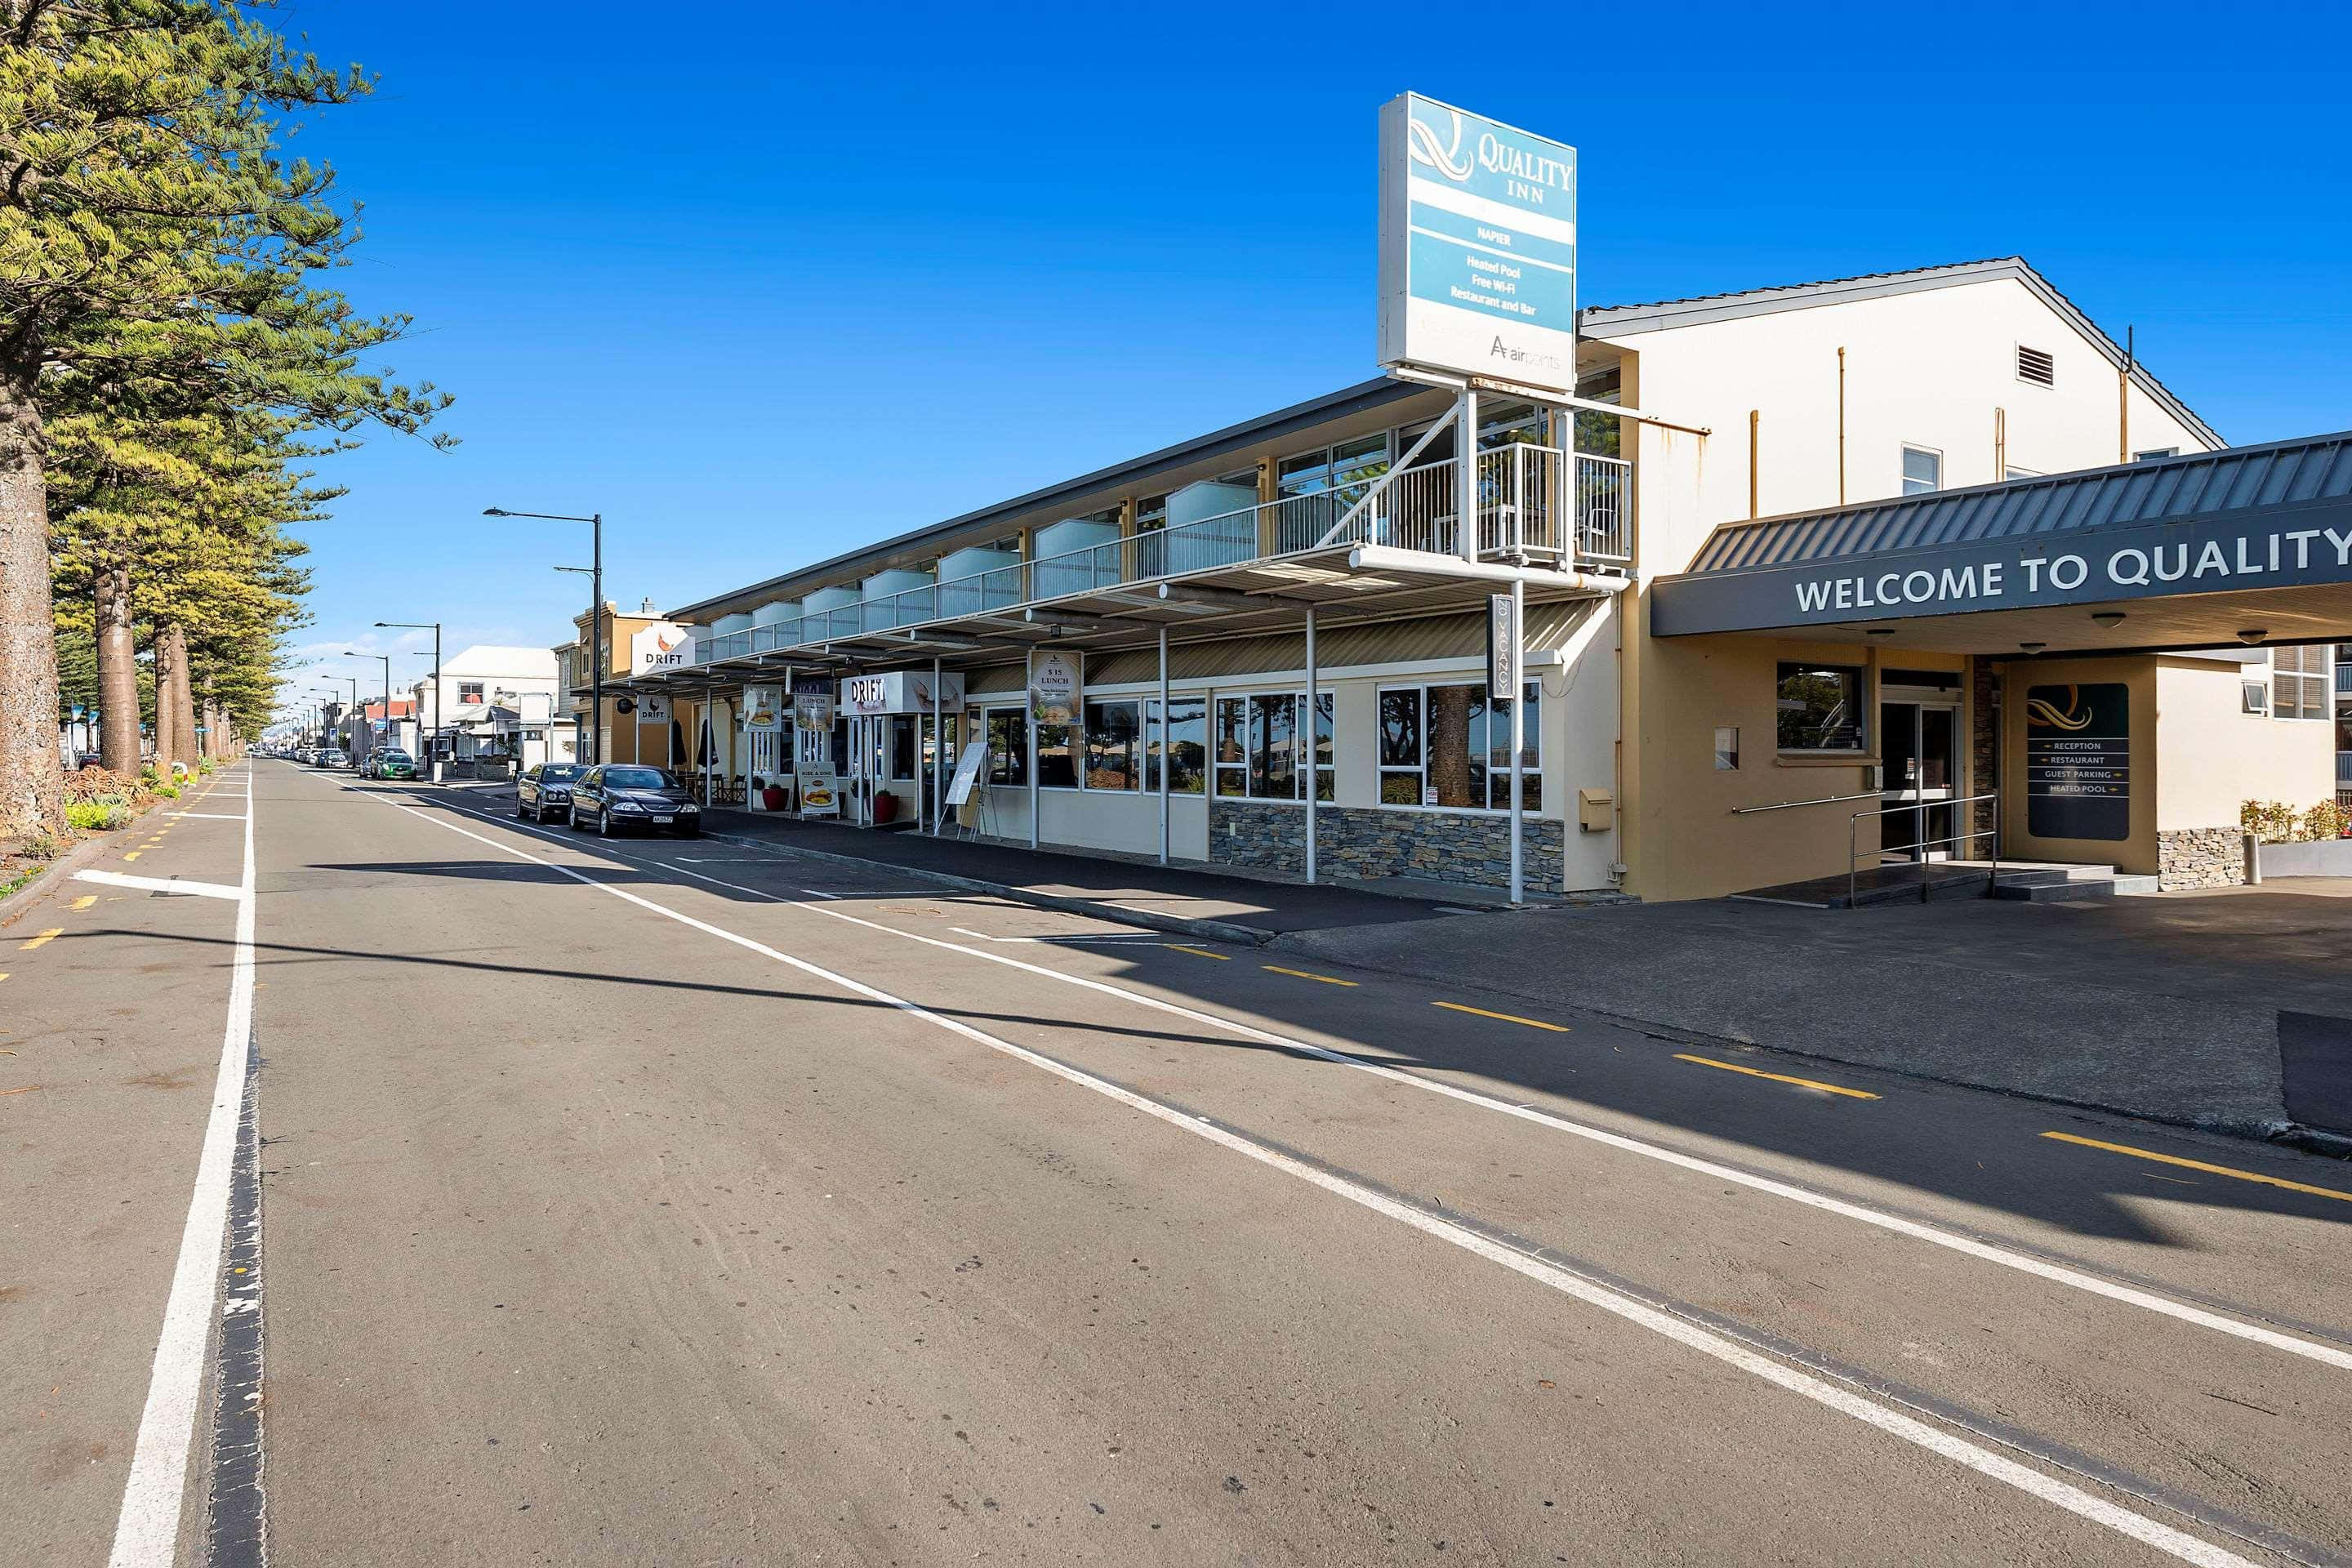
1266,647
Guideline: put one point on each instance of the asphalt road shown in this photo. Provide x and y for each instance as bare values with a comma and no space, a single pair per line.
693,1203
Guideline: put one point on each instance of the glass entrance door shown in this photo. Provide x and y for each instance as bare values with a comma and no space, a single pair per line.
1918,744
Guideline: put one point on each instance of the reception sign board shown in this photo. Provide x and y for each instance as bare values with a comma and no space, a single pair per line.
1477,247
2078,760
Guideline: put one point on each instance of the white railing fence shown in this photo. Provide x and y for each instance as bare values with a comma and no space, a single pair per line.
1536,503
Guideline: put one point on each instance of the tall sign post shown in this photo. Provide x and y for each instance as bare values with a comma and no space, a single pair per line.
1504,613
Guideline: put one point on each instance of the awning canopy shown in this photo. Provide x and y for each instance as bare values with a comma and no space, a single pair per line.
1348,585
2247,544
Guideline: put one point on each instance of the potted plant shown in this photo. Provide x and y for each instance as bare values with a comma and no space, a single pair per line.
771,797
885,806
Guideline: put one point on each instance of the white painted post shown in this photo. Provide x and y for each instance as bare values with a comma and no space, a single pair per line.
1167,744
939,755
1518,725
1029,706
1308,727
1465,478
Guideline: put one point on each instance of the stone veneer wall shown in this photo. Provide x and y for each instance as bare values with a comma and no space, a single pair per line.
2200,857
1351,841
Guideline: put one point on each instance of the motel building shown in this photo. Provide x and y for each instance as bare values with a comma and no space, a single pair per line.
1857,575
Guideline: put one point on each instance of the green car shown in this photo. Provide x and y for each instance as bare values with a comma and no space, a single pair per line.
392,765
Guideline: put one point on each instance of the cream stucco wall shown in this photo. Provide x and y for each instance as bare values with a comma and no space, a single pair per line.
2212,756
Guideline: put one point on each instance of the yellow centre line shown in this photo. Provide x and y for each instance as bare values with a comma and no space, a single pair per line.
1302,974
2201,1165
1199,951
84,901
1778,1077
50,935
134,855
1505,1017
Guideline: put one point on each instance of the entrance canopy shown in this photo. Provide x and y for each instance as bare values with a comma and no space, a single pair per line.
2250,544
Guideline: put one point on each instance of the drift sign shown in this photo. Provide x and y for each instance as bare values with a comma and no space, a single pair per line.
2135,563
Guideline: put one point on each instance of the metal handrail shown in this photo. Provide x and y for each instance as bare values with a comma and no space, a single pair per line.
1923,843
1820,800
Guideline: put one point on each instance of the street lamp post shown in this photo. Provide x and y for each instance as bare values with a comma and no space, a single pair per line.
431,752
595,619
348,653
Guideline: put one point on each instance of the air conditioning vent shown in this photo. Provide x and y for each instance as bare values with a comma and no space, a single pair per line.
2036,366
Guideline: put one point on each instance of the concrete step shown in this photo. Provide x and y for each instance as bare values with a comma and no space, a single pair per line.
2037,890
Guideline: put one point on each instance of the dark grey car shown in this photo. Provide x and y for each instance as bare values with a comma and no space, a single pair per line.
619,795
544,790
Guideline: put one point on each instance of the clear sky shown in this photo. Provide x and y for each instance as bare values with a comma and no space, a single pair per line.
762,280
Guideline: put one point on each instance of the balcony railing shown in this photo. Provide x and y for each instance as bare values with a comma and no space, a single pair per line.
1533,503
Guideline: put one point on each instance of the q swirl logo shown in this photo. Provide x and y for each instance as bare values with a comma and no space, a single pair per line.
1446,159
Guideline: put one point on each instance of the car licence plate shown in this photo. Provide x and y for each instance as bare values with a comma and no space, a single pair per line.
664,820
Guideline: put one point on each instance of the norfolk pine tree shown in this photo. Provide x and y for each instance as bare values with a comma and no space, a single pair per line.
150,232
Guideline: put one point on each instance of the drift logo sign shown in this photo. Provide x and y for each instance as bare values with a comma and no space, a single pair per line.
662,646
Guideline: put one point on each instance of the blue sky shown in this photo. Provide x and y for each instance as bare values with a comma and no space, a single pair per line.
784,277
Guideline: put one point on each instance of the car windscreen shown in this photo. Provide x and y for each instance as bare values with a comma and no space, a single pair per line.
638,778
398,757
559,773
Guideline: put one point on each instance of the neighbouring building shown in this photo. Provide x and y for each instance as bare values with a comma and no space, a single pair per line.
493,704
1840,573
617,736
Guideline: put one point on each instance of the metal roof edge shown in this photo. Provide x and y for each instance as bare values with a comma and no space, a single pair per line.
1627,321
1364,395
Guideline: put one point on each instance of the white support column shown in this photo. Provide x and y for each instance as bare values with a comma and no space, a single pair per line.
939,755
1519,727
710,746
1029,706
1167,744
1307,727
1465,478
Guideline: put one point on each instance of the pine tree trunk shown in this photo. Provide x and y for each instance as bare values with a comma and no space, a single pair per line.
183,698
159,657
32,779
118,668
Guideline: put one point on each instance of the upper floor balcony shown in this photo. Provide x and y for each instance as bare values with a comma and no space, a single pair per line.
1534,505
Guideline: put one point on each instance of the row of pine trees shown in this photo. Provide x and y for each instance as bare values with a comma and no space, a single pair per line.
172,359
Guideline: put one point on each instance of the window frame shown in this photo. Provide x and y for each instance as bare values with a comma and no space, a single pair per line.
1015,755
1496,780
1155,739
1863,737
1135,743
2302,676
1903,471
1257,751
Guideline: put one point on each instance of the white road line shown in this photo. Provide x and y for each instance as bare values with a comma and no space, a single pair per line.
1845,1402
147,1531
162,884
213,815
1967,1246
1146,939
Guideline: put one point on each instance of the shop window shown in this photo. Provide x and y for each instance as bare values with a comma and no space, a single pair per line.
1923,470
1448,746
1114,744
2299,679
469,691
1260,753
1008,746
1185,742
902,747
1821,709
1057,757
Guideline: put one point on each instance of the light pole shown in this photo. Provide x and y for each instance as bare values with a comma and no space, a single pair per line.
433,757
595,619
348,653
592,655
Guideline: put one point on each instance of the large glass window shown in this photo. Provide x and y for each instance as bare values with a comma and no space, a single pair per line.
1114,744
1186,742
1260,753
1057,758
2299,679
1821,709
1008,746
1448,746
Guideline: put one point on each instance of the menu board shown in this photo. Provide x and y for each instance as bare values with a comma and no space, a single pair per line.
2078,760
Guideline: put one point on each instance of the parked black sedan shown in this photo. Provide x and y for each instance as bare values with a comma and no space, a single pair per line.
618,796
544,790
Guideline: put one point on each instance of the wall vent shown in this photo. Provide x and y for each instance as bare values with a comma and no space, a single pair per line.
2036,366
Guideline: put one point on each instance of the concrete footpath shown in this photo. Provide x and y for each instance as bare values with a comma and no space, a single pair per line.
2169,1007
